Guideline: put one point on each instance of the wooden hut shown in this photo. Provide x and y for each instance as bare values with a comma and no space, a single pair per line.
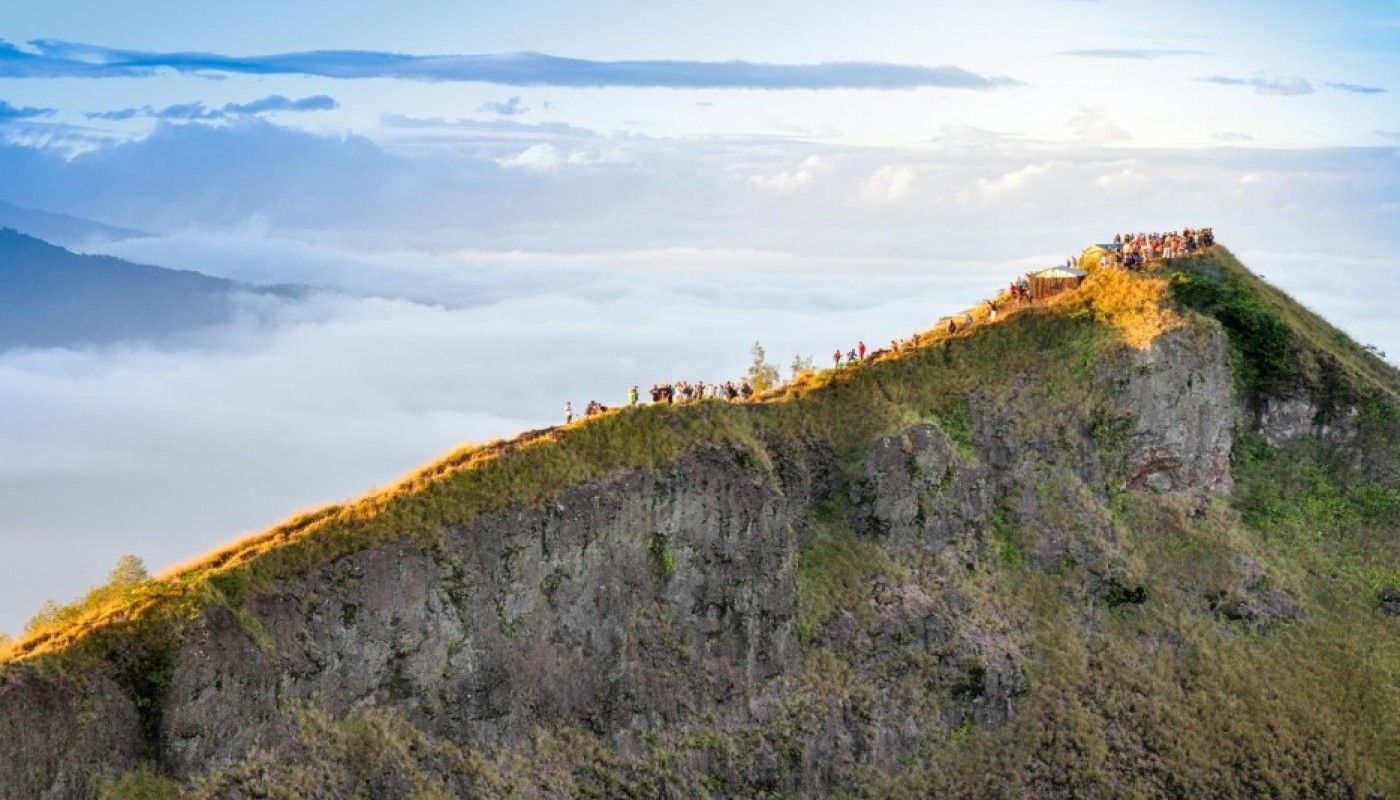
1050,282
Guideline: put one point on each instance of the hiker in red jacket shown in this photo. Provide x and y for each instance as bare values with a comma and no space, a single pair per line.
861,350
836,357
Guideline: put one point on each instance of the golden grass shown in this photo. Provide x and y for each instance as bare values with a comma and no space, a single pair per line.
1134,304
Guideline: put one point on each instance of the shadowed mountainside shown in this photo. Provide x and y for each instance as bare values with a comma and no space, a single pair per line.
1139,541
50,297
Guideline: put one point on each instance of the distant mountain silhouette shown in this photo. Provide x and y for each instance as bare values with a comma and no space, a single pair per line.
51,297
62,229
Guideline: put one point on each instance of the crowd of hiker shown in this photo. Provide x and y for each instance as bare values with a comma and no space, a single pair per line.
1136,250
687,392
1132,251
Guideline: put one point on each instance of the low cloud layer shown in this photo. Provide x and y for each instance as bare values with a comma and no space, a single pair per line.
47,58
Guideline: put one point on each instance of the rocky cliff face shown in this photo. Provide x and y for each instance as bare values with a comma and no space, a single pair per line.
787,616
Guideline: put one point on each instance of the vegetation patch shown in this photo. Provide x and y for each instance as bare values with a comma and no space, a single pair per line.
834,571
144,783
1279,346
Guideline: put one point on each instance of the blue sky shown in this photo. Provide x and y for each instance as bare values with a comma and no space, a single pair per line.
1284,73
518,204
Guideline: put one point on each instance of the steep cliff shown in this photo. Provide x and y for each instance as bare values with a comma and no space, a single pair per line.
1047,557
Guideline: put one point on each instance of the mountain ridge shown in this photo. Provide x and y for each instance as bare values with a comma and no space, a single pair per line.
993,564
65,230
53,297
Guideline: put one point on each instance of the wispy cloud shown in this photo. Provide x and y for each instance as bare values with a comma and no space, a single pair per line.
1287,87
276,102
1354,88
1272,85
505,126
55,59
198,111
509,108
1234,137
1143,54
9,112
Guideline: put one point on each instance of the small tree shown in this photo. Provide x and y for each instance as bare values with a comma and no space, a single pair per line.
49,613
129,571
802,366
761,375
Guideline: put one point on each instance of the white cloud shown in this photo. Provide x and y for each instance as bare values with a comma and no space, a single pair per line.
1124,180
992,190
550,157
1092,126
887,185
793,181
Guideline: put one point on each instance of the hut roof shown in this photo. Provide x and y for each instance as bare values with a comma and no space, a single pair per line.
1095,249
1059,272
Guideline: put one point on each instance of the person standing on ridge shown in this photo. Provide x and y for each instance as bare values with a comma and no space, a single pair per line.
860,349
568,412
632,396
836,357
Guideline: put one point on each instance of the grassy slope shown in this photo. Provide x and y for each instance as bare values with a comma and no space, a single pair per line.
1161,692
847,407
